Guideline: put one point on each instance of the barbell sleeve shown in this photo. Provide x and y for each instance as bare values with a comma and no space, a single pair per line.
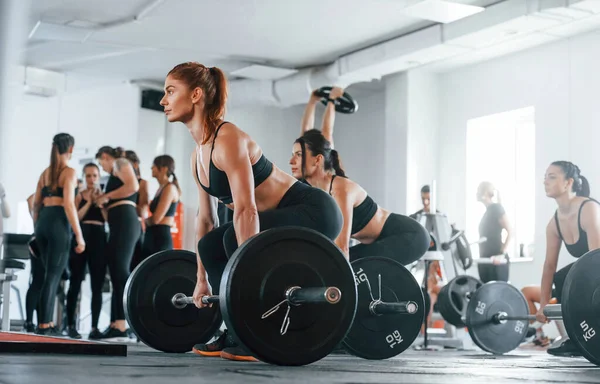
553,312
297,295
180,300
404,307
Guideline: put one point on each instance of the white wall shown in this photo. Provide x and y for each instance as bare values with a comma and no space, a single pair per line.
560,80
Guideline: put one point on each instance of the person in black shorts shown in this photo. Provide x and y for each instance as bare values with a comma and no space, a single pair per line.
92,219
54,216
120,200
576,224
492,225
228,165
162,207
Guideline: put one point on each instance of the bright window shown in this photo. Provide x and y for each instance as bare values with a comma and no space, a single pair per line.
501,150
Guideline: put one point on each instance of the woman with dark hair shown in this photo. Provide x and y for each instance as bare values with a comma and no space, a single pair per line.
142,207
576,223
229,165
492,225
119,198
380,232
163,206
92,219
54,215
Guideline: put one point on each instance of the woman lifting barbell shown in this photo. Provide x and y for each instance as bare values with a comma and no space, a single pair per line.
229,165
379,231
576,224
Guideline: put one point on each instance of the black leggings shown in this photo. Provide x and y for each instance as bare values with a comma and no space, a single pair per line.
36,281
124,234
402,239
138,250
302,206
491,272
94,257
53,235
157,238
559,281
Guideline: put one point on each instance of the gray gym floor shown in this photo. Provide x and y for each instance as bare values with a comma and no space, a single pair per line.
144,365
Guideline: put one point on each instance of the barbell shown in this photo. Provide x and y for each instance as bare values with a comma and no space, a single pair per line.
497,313
287,294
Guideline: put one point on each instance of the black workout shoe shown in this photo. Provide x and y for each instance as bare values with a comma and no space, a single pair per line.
28,327
51,331
214,348
95,334
237,353
565,349
114,333
72,332
530,332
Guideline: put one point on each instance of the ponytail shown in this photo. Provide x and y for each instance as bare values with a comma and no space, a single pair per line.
335,163
214,108
584,187
176,183
54,167
61,144
115,153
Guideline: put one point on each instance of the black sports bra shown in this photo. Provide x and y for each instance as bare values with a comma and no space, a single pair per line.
581,246
93,214
362,213
219,184
156,200
114,183
47,192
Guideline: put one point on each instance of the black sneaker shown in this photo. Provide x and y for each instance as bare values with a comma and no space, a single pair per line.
28,327
530,332
114,333
72,333
565,349
51,331
95,334
214,348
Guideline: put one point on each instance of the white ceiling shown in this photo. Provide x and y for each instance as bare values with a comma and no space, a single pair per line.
226,33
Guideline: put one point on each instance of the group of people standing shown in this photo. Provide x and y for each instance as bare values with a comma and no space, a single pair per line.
70,232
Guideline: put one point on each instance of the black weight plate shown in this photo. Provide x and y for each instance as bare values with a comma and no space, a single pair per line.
453,298
150,313
256,279
344,104
580,304
491,298
381,337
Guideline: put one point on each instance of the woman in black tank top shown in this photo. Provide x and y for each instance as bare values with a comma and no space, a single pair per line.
92,219
229,166
120,200
162,208
380,232
54,217
575,223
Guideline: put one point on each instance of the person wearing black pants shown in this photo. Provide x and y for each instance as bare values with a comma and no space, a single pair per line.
229,166
163,206
119,198
380,232
141,207
492,225
92,220
56,190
